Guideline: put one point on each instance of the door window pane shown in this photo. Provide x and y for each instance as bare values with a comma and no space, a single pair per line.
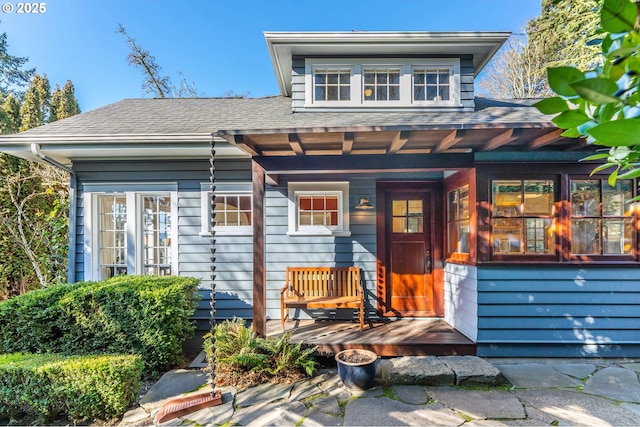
407,216
156,223
112,252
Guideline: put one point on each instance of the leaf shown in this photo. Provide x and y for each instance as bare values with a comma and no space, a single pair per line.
635,173
601,168
571,133
570,118
618,16
552,105
598,156
612,178
597,90
624,132
561,79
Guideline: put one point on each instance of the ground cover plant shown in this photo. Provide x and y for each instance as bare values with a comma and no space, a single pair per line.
242,359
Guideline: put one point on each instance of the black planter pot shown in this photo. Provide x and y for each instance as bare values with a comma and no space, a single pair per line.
357,368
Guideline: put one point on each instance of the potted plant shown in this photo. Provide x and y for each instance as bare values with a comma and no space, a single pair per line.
357,368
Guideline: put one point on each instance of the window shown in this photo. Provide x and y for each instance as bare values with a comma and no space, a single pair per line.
432,84
458,220
112,235
601,222
397,82
522,217
232,210
319,208
129,231
381,84
407,216
332,84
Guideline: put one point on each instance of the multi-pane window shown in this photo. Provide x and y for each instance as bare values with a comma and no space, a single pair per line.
601,222
232,210
458,220
381,84
408,216
432,84
318,210
156,222
112,236
332,84
522,217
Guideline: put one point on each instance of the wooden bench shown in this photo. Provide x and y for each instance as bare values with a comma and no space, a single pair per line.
322,287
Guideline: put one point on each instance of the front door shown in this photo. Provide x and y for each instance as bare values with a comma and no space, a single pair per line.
412,251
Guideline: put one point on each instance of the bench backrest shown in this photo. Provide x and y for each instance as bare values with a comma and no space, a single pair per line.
308,282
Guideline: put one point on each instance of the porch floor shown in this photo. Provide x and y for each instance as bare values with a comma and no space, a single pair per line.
388,338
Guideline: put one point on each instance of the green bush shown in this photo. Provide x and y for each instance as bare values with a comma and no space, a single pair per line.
44,386
143,315
243,359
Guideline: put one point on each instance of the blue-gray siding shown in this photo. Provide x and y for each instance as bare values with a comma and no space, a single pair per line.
559,312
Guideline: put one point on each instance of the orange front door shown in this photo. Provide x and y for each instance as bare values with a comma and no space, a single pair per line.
410,287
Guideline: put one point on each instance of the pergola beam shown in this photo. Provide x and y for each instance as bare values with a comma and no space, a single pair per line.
501,139
451,139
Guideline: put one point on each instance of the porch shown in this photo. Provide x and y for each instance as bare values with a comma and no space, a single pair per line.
388,338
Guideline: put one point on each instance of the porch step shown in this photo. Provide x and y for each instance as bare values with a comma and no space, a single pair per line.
439,371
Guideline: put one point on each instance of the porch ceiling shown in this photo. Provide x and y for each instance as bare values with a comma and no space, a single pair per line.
380,140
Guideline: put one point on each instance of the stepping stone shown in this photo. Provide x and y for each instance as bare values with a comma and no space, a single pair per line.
317,418
328,405
536,375
412,394
577,408
135,416
425,370
216,415
172,384
200,361
472,370
263,393
383,411
631,407
480,404
577,370
304,389
615,383
266,414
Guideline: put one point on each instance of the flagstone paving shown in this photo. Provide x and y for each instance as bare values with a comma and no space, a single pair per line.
540,392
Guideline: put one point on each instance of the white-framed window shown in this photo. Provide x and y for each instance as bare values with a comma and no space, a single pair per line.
232,209
371,83
319,208
130,229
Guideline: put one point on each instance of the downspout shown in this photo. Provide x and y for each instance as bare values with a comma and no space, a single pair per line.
73,182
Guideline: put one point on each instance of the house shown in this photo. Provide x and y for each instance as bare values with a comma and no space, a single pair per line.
476,211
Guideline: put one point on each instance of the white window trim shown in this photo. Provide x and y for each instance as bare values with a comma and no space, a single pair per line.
295,189
406,67
133,193
238,188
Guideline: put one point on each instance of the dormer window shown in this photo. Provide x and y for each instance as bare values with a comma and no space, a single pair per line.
368,83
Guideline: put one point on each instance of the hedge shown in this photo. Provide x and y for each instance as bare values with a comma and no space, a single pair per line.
144,315
45,386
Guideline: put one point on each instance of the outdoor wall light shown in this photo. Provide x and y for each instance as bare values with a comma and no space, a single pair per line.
364,203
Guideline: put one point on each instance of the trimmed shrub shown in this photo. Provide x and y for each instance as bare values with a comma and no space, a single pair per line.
44,386
144,315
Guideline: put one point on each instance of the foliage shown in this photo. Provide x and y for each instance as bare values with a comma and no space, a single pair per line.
63,103
12,73
81,387
603,104
243,359
143,315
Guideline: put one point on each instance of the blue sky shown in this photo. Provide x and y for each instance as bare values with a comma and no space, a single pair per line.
217,44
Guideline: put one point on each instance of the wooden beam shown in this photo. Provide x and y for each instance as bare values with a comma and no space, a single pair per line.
347,142
501,139
294,143
451,139
259,263
239,141
546,139
399,140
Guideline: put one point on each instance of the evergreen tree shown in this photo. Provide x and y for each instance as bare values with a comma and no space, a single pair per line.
35,107
11,108
12,75
63,102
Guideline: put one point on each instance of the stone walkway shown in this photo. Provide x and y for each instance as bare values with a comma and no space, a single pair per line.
447,391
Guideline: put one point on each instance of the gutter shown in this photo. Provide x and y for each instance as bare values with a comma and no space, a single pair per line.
73,182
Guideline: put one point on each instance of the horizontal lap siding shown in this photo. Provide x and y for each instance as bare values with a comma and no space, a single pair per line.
356,250
461,298
234,254
559,312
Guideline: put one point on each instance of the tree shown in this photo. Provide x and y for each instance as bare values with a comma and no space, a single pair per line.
63,102
12,74
517,71
154,83
35,107
11,120
603,104
560,36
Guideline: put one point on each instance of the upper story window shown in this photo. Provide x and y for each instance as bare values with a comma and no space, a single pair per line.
398,83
